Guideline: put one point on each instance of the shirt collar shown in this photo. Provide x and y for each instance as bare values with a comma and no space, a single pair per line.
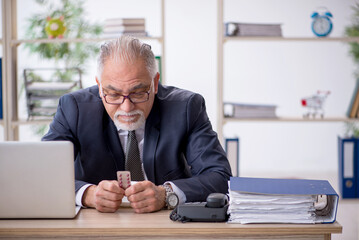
139,132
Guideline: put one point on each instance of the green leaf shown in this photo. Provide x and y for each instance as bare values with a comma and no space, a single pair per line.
353,31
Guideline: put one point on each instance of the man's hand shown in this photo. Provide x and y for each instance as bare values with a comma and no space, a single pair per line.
105,197
146,197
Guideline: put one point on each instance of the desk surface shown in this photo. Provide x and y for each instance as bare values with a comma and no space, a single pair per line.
127,224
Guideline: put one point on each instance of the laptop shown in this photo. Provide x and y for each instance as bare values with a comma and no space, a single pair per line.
37,180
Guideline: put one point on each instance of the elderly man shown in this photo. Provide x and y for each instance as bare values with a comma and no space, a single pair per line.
129,121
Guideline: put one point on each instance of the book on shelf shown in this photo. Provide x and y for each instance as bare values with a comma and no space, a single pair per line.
125,26
124,21
159,66
269,200
241,110
353,110
253,29
116,35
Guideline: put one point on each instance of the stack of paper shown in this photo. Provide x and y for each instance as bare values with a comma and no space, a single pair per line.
260,200
257,208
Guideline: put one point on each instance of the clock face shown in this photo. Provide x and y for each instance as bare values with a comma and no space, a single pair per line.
172,200
321,26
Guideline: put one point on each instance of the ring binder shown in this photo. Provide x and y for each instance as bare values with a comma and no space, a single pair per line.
270,200
348,167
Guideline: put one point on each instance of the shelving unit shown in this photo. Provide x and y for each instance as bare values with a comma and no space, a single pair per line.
10,42
42,96
222,39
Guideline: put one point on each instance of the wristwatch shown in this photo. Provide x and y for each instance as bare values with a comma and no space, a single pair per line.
171,197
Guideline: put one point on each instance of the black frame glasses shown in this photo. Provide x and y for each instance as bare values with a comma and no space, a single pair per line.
138,97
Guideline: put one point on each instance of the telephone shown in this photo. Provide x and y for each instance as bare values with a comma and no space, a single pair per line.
214,210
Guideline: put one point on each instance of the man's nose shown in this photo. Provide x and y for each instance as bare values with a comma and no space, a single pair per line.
127,105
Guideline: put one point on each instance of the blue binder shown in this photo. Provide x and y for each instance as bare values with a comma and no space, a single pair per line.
273,186
1,107
348,167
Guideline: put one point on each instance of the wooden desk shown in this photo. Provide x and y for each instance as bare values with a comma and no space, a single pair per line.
124,224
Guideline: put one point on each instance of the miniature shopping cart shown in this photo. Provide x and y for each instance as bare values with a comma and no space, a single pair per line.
314,104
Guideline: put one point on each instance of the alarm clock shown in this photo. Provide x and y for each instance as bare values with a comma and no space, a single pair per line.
322,25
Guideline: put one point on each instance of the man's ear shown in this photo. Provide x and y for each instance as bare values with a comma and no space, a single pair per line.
156,81
99,86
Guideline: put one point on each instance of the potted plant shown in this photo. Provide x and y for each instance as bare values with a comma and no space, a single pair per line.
62,55
69,54
352,128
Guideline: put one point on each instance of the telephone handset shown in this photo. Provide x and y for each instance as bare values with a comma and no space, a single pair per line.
216,200
214,210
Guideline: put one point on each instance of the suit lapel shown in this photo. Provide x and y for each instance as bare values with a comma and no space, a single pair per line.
152,134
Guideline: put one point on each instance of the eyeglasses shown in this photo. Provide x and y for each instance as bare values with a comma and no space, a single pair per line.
117,99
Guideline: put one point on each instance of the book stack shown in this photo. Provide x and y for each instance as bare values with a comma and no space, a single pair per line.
265,200
252,29
114,27
238,110
353,110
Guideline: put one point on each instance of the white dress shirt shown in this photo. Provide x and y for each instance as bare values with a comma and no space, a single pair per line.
140,135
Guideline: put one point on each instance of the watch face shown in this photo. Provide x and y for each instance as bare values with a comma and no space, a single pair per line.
321,26
172,200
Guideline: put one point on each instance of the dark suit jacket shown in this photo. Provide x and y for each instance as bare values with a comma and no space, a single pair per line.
179,144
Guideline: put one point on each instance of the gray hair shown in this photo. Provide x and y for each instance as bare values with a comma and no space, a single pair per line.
126,49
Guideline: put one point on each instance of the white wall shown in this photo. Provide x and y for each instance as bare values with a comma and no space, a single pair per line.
278,73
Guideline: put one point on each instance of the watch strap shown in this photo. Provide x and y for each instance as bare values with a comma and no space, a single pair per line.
169,191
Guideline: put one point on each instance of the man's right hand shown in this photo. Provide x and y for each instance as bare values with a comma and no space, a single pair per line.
105,197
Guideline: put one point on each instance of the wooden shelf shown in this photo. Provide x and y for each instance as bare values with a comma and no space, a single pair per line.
28,122
31,122
73,40
293,39
291,119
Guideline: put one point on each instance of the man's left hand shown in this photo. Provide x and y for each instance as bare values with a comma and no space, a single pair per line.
146,197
